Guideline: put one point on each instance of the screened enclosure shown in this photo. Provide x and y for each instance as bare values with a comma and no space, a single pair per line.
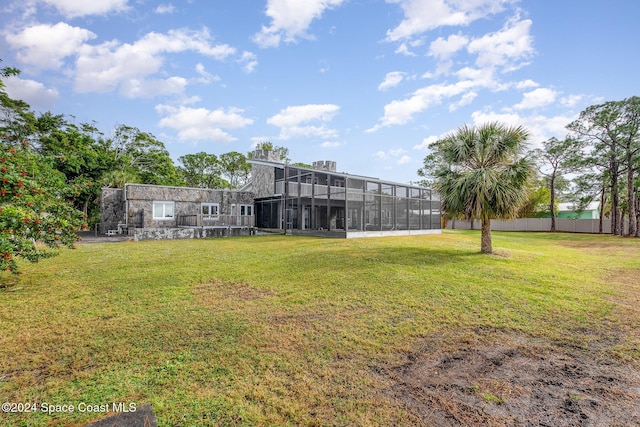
308,201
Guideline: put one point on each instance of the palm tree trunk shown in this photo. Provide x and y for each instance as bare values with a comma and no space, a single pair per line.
485,246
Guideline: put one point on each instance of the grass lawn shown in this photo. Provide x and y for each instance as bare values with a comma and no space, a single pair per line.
282,330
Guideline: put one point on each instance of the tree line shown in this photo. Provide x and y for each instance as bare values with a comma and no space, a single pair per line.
53,170
486,172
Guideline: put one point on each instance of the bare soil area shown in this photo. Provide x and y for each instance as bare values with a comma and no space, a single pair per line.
516,382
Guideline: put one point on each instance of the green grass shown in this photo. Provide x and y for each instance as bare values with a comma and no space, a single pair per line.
281,330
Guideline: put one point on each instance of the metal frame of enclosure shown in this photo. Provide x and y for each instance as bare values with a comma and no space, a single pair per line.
324,203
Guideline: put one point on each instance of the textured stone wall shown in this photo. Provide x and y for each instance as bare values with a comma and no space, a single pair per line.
263,177
112,209
187,202
325,165
188,233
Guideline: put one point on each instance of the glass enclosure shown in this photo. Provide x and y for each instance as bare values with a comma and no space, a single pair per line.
317,200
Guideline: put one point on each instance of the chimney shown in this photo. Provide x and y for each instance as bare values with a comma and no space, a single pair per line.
325,165
267,156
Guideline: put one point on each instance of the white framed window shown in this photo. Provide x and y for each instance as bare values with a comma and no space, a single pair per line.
163,210
210,209
246,210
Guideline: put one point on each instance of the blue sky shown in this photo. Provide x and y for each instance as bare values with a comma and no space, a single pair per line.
368,84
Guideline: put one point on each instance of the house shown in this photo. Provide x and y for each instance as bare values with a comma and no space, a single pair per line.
160,212
320,201
282,198
569,211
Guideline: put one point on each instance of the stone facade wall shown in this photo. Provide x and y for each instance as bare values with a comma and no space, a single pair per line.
186,202
263,177
188,233
112,209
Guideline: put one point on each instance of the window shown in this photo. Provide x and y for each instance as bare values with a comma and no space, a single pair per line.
246,210
209,209
163,210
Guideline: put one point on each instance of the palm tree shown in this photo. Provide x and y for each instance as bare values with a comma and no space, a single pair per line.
480,172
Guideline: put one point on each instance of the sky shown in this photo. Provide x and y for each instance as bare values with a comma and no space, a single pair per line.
366,83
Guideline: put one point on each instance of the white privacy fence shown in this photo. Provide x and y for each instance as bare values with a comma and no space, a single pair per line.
537,224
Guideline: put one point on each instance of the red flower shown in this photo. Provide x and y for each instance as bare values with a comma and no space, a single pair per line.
4,169
20,184
24,174
3,191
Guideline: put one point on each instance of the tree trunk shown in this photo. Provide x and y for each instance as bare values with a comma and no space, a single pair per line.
616,227
637,215
552,205
602,202
631,194
485,246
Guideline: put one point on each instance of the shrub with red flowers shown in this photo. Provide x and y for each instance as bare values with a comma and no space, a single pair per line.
35,215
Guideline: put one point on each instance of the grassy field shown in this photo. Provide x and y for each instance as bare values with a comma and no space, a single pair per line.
281,330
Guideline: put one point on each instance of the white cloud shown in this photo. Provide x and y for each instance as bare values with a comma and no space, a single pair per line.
445,48
111,65
33,93
75,8
250,61
540,127
133,88
200,124
397,154
404,160
466,99
290,20
403,49
397,151
164,9
507,48
526,84
503,50
205,77
291,119
537,98
424,15
424,145
392,79
381,155
46,46
571,100
402,111
330,144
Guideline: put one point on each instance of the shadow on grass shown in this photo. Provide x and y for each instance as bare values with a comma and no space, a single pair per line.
363,258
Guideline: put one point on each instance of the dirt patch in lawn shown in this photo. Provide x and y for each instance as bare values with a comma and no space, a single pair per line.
607,242
516,381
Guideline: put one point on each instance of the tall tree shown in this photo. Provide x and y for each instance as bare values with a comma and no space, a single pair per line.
202,170
235,168
612,131
481,172
139,157
554,159
33,195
